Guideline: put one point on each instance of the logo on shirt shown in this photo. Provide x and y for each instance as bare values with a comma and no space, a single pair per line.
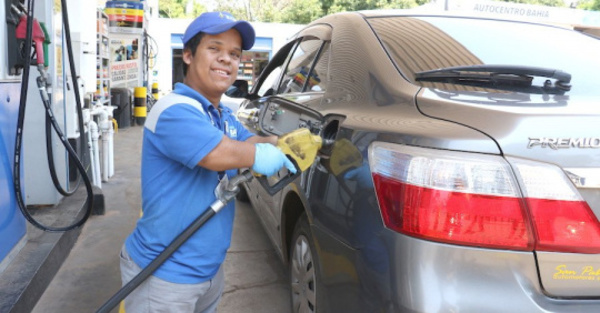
232,131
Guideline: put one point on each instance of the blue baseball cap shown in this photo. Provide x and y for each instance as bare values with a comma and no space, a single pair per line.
214,23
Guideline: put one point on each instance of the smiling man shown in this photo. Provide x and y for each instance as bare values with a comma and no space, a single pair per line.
191,144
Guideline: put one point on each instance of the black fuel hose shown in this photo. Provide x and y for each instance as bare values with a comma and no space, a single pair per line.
227,195
157,262
82,147
74,77
52,166
21,117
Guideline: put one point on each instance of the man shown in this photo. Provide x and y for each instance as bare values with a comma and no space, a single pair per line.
191,143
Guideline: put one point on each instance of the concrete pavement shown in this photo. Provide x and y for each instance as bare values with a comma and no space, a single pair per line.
256,281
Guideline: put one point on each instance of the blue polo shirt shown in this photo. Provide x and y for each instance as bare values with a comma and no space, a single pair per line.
180,130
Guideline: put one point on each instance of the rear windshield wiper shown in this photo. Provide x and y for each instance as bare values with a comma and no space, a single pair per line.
511,77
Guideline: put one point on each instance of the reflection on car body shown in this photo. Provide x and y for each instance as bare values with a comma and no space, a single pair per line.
428,195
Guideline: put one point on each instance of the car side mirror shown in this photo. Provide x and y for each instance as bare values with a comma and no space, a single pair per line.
239,89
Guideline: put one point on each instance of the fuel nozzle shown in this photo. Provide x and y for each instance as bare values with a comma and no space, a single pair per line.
38,35
301,145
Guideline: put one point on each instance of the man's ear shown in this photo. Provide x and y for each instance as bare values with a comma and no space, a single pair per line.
187,56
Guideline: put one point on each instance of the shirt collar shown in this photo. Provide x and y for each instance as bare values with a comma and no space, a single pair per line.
185,90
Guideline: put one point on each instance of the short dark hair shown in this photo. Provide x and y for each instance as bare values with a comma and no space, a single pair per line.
192,45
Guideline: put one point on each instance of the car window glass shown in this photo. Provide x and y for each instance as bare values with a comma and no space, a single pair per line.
299,65
446,42
318,76
272,71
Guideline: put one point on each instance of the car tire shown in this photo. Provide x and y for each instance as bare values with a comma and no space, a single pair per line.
303,269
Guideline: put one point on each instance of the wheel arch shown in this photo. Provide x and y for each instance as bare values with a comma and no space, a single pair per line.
292,210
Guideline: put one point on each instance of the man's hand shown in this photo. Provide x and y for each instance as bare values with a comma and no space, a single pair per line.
268,160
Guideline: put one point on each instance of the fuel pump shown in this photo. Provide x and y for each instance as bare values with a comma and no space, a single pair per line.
25,40
30,35
12,224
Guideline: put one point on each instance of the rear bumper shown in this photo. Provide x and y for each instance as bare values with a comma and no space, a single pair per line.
396,273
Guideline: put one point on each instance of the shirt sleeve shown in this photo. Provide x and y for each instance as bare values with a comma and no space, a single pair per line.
185,134
242,132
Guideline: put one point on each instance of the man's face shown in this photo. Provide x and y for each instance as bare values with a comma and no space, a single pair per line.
214,66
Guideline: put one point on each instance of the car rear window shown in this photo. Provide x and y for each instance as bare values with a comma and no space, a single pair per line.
427,43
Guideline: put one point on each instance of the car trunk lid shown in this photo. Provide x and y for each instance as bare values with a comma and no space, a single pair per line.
559,130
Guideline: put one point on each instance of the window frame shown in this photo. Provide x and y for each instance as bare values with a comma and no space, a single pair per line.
310,65
282,58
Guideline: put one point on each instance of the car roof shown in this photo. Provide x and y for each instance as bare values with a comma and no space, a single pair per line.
332,19
422,12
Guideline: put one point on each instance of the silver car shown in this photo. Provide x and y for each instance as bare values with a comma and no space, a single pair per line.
460,170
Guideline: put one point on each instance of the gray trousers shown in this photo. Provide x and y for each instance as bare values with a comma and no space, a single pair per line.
156,295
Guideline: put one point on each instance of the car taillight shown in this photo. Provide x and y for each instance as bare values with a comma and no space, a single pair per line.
562,220
475,200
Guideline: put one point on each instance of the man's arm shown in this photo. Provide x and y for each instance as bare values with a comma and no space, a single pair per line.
263,139
230,154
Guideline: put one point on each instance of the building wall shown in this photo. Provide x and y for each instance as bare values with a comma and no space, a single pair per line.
161,29
518,11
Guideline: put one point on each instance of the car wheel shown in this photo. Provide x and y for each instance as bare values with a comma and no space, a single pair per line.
303,269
